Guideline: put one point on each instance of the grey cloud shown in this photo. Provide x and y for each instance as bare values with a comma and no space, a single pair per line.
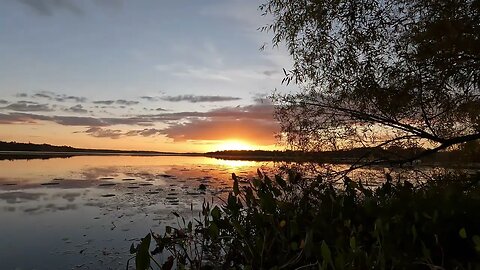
197,99
160,109
58,97
63,98
253,122
118,101
3,101
104,102
149,98
21,118
17,118
48,7
76,109
126,102
269,72
27,106
103,133
116,133
22,95
42,95
144,132
256,111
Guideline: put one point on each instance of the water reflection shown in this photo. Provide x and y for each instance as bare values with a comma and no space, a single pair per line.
83,212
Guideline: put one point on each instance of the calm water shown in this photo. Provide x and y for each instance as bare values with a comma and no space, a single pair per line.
84,212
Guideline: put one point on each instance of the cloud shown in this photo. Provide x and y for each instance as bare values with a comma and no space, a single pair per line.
21,95
27,118
117,133
63,98
252,123
48,7
118,101
144,132
197,99
270,72
27,106
126,102
104,102
149,98
76,109
103,133
42,95
259,131
2,101
59,97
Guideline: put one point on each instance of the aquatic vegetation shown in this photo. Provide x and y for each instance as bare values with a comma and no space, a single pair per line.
291,222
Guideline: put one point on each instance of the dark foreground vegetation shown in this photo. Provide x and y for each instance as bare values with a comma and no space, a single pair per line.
291,222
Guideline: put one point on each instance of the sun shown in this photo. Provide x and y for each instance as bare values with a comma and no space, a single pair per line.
234,145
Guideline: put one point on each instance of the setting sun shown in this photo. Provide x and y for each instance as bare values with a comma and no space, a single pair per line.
234,145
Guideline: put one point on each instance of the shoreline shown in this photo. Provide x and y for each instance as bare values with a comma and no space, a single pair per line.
27,155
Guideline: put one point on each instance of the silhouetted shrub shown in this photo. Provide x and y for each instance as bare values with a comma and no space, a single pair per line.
291,222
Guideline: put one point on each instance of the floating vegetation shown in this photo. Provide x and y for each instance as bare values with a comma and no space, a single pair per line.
202,187
106,184
49,184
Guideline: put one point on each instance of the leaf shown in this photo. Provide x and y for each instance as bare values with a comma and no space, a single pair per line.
353,243
259,173
142,258
280,181
236,189
213,230
132,249
215,213
476,241
462,233
326,254
414,233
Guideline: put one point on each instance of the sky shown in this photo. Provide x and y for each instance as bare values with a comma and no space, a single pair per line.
160,75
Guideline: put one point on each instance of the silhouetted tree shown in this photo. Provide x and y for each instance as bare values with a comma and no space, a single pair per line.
379,72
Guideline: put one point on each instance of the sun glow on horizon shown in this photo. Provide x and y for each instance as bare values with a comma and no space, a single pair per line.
234,145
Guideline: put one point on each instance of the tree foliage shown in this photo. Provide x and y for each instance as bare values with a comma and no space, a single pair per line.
379,72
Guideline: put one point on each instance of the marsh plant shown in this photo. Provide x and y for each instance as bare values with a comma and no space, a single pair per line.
292,222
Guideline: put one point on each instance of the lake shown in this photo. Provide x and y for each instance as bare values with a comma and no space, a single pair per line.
83,212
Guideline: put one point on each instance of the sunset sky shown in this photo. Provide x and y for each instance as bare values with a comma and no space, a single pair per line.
147,75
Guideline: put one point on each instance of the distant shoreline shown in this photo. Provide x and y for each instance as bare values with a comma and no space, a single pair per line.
26,151
244,156
13,155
